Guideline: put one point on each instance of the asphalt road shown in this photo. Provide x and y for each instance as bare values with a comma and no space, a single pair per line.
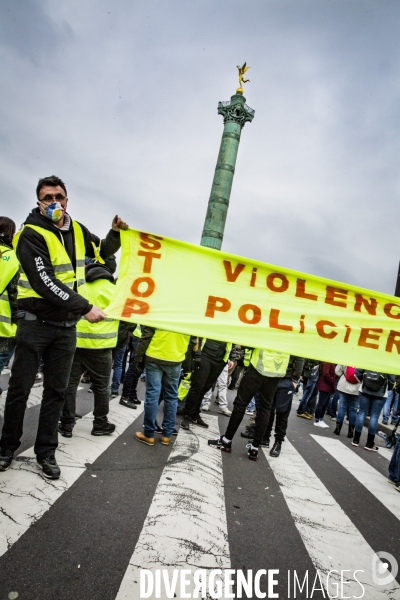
128,506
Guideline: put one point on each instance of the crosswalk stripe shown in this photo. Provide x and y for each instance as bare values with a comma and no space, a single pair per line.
375,483
186,524
25,496
324,526
386,453
35,397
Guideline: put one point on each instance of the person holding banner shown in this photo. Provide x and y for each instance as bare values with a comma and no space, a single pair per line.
94,345
51,249
162,352
266,369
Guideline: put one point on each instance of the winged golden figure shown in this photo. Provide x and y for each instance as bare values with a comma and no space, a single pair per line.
242,70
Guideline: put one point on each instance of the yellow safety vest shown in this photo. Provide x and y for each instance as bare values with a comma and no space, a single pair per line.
61,262
137,331
105,333
227,350
270,363
247,357
9,268
168,346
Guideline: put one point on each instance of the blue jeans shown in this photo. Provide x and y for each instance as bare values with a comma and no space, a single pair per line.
373,405
394,465
332,406
251,405
388,404
323,401
5,357
351,402
166,378
119,354
307,393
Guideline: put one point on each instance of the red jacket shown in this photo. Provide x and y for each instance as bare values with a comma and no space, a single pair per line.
326,381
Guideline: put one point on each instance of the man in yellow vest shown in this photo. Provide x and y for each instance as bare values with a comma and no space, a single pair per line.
8,291
94,345
162,352
51,250
266,369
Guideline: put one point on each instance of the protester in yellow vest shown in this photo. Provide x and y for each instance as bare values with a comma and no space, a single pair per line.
266,369
214,356
51,250
94,344
8,292
163,353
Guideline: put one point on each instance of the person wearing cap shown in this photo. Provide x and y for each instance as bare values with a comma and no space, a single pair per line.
93,354
51,249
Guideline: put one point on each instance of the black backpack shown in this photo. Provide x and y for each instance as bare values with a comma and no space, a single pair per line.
373,381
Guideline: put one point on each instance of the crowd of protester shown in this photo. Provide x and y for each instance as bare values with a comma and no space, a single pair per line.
56,281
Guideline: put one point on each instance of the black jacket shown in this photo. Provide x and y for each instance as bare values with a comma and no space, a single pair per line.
31,245
294,368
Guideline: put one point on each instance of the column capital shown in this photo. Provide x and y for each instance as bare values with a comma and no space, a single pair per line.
236,110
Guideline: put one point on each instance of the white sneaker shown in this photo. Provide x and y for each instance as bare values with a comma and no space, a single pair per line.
317,423
324,425
249,412
225,411
205,408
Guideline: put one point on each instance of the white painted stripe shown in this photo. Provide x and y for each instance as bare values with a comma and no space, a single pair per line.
331,539
25,496
375,483
185,527
35,397
386,453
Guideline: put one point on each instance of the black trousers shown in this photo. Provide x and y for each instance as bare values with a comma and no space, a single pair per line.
280,410
132,376
56,345
98,365
202,380
252,382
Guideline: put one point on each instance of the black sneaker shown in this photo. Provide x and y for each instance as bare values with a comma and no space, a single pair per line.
49,466
114,395
158,429
249,435
175,432
199,421
185,423
252,452
126,402
219,444
6,456
136,401
276,449
65,430
265,443
103,429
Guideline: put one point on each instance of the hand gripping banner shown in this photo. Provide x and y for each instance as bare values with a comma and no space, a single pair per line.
190,289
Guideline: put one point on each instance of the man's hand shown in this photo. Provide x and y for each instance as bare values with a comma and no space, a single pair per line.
118,224
95,315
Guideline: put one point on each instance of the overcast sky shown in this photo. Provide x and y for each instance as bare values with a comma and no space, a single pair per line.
119,99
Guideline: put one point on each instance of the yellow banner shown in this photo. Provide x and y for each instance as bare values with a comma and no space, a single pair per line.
190,289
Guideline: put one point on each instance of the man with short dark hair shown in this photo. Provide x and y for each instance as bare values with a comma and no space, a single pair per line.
51,249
